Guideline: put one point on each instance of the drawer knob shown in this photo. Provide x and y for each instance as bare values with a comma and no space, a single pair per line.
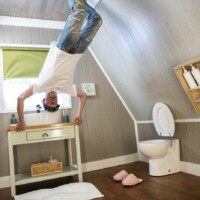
45,135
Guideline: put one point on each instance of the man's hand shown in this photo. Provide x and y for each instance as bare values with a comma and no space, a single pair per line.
20,126
78,120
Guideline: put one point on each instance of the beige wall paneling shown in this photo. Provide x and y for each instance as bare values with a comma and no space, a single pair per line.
104,117
188,134
38,153
147,132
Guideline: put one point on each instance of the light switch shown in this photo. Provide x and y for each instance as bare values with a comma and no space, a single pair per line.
89,89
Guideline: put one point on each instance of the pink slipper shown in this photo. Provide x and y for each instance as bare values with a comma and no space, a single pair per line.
120,176
131,180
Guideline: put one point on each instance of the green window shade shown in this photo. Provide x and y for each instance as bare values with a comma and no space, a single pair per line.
23,63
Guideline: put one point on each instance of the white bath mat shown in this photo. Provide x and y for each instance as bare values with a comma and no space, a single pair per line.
72,191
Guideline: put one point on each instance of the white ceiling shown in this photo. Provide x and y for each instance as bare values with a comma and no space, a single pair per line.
56,10
37,9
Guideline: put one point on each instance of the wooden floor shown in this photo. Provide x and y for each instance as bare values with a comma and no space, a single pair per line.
180,186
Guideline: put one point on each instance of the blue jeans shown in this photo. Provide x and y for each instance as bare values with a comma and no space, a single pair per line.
80,28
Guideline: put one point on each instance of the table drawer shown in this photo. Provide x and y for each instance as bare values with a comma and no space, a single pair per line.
44,134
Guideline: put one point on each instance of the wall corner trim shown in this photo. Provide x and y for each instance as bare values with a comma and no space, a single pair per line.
117,92
112,85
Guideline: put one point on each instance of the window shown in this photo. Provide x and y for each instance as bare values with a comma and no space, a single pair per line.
12,84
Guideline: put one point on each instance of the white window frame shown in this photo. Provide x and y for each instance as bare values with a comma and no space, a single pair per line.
65,99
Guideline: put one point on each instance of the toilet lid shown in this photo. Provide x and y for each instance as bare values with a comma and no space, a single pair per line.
163,120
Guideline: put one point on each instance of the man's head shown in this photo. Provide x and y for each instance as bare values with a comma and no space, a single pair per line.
50,102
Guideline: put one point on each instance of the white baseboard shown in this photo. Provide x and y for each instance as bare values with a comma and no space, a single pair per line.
186,167
190,168
110,162
5,182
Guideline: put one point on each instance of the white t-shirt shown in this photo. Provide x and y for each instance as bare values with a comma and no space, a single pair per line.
57,73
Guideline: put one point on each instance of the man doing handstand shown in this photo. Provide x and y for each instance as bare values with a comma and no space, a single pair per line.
58,70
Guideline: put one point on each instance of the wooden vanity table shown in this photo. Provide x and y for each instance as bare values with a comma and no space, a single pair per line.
44,133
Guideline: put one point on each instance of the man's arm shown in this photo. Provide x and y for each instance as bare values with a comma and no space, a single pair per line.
20,108
82,99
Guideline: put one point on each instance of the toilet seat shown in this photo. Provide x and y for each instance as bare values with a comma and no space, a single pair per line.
163,120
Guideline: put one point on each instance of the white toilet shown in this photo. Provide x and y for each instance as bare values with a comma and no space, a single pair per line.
163,154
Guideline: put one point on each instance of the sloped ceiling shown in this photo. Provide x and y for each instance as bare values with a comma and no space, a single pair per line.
138,45
37,9
56,10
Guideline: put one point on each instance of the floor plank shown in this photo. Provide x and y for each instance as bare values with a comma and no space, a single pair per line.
179,186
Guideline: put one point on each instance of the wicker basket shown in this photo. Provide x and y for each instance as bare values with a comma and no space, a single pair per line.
46,168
